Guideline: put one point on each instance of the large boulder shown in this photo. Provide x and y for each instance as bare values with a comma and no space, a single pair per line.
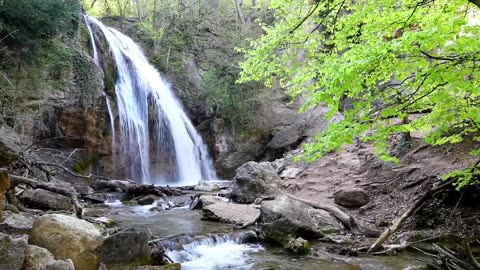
253,180
284,218
67,237
12,252
45,200
10,146
353,197
38,258
231,213
17,223
126,250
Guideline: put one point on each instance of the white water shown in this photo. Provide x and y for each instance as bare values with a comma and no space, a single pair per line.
158,142
218,252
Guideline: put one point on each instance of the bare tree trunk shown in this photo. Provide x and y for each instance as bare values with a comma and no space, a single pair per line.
238,7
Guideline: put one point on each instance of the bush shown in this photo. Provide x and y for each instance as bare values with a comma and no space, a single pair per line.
23,22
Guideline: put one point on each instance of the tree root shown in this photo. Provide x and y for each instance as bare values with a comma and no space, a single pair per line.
15,180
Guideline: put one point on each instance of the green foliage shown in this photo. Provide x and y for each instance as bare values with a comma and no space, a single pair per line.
235,103
24,22
408,66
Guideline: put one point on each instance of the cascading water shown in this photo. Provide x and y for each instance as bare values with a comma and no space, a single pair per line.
215,252
158,141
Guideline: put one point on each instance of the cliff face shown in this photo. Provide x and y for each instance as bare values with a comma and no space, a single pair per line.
53,95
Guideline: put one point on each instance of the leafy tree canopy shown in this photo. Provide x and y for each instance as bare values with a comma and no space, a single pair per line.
408,65
24,21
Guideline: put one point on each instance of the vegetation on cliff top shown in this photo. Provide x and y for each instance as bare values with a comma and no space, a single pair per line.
409,66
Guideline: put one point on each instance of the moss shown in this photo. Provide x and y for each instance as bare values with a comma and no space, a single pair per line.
81,167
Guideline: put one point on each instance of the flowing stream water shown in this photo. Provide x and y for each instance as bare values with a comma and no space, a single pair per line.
206,245
158,142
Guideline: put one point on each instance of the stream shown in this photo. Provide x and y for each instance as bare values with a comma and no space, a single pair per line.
211,246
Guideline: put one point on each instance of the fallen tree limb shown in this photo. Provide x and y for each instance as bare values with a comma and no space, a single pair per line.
398,223
347,220
135,189
15,180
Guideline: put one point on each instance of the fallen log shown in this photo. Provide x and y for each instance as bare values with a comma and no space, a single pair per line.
135,189
15,180
347,220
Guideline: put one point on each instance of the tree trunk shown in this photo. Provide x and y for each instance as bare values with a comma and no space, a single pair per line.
238,7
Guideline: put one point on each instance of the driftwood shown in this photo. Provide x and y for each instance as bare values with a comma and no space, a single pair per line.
135,189
347,220
15,180
398,223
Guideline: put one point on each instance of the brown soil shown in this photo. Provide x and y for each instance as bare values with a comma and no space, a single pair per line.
394,188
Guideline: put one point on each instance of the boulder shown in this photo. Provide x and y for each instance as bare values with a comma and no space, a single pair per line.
45,200
284,218
84,190
126,250
290,173
298,246
210,199
38,258
354,197
253,180
146,200
212,185
231,213
67,237
12,252
10,146
17,223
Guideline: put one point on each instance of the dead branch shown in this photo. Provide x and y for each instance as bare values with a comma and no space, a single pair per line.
398,223
347,220
15,180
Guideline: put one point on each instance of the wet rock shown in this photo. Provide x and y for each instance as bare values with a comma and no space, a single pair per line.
84,190
126,250
354,197
172,266
284,218
146,200
107,222
253,180
290,173
79,239
17,223
38,258
45,200
97,197
231,213
10,146
12,252
298,246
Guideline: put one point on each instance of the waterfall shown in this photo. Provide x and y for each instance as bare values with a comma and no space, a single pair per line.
158,142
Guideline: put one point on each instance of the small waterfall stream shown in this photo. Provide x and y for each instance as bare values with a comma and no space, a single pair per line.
158,142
